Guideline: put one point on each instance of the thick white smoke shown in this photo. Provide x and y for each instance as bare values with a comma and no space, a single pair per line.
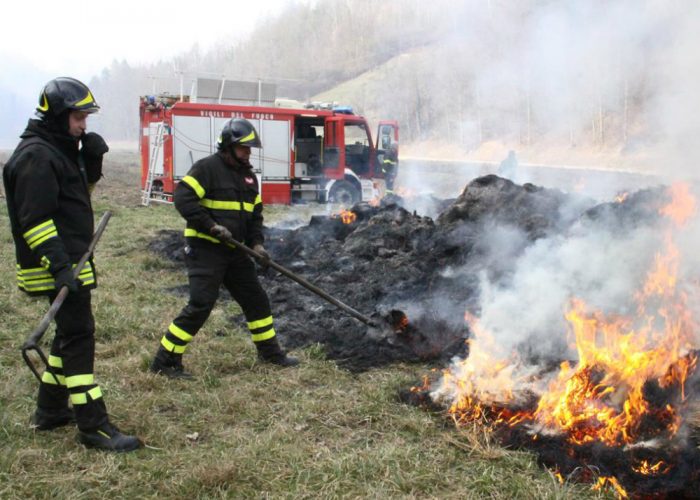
526,309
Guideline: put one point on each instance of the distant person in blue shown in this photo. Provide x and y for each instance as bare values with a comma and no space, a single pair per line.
508,167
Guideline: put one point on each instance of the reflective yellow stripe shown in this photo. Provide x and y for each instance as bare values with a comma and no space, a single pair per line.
220,205
248,137
254,325
259,337
36,243
81,397
193,233
170,347
55,361
78,380
87,99
258,200
36,287
48,378
194,184
34,279
45,262
179,332
40,233
226,205
33,273
39,228
37,279
44,106
87,275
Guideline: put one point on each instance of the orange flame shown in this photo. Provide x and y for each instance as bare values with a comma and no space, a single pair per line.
601,398
621,197
405,192
604,481
484,382
347,216
682,205
647,469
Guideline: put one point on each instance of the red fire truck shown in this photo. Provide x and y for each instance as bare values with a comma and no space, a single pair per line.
307,155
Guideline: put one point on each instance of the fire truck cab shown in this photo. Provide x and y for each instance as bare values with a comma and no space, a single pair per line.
307,155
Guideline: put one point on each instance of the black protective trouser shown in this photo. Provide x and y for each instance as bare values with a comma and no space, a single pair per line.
72,360
209,265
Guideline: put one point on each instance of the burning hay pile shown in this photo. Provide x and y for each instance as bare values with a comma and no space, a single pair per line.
558,343
617,413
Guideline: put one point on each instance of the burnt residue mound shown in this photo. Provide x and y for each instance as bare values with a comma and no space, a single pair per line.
630,211
389,258
536,210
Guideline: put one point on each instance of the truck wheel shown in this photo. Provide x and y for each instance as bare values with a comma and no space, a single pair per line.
345,193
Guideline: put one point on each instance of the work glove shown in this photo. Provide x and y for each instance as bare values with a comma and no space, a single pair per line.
94,148
220,232
64,277
264,261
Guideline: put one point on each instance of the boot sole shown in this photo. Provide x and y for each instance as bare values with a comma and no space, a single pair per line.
176,375
98,447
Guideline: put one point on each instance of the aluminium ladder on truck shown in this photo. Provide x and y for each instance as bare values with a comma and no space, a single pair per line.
156,145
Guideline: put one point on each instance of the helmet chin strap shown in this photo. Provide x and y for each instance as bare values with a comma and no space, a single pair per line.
238,159
231,158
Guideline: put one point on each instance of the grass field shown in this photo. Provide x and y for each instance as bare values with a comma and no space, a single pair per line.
241,429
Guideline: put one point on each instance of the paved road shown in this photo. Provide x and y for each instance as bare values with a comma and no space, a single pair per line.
446,179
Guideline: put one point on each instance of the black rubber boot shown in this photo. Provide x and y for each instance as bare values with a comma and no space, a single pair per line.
47,420
107,437
269,351
169,364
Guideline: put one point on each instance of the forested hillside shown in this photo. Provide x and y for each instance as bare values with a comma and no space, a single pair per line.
581,73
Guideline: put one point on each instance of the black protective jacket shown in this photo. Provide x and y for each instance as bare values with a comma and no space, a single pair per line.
49,207
216,192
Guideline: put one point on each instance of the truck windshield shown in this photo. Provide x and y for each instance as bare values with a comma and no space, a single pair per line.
357,148
356,133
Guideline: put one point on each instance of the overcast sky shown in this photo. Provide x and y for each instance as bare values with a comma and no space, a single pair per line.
43,39
82,37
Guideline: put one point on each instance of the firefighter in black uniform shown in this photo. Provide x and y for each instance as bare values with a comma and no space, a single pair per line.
220,198
47,182
389,168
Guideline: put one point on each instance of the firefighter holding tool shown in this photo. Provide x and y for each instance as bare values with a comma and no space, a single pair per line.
47,183
220,199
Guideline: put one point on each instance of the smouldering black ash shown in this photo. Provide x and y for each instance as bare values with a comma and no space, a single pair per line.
390,258
637,209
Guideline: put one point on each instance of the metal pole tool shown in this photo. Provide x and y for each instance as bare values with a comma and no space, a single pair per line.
309,286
